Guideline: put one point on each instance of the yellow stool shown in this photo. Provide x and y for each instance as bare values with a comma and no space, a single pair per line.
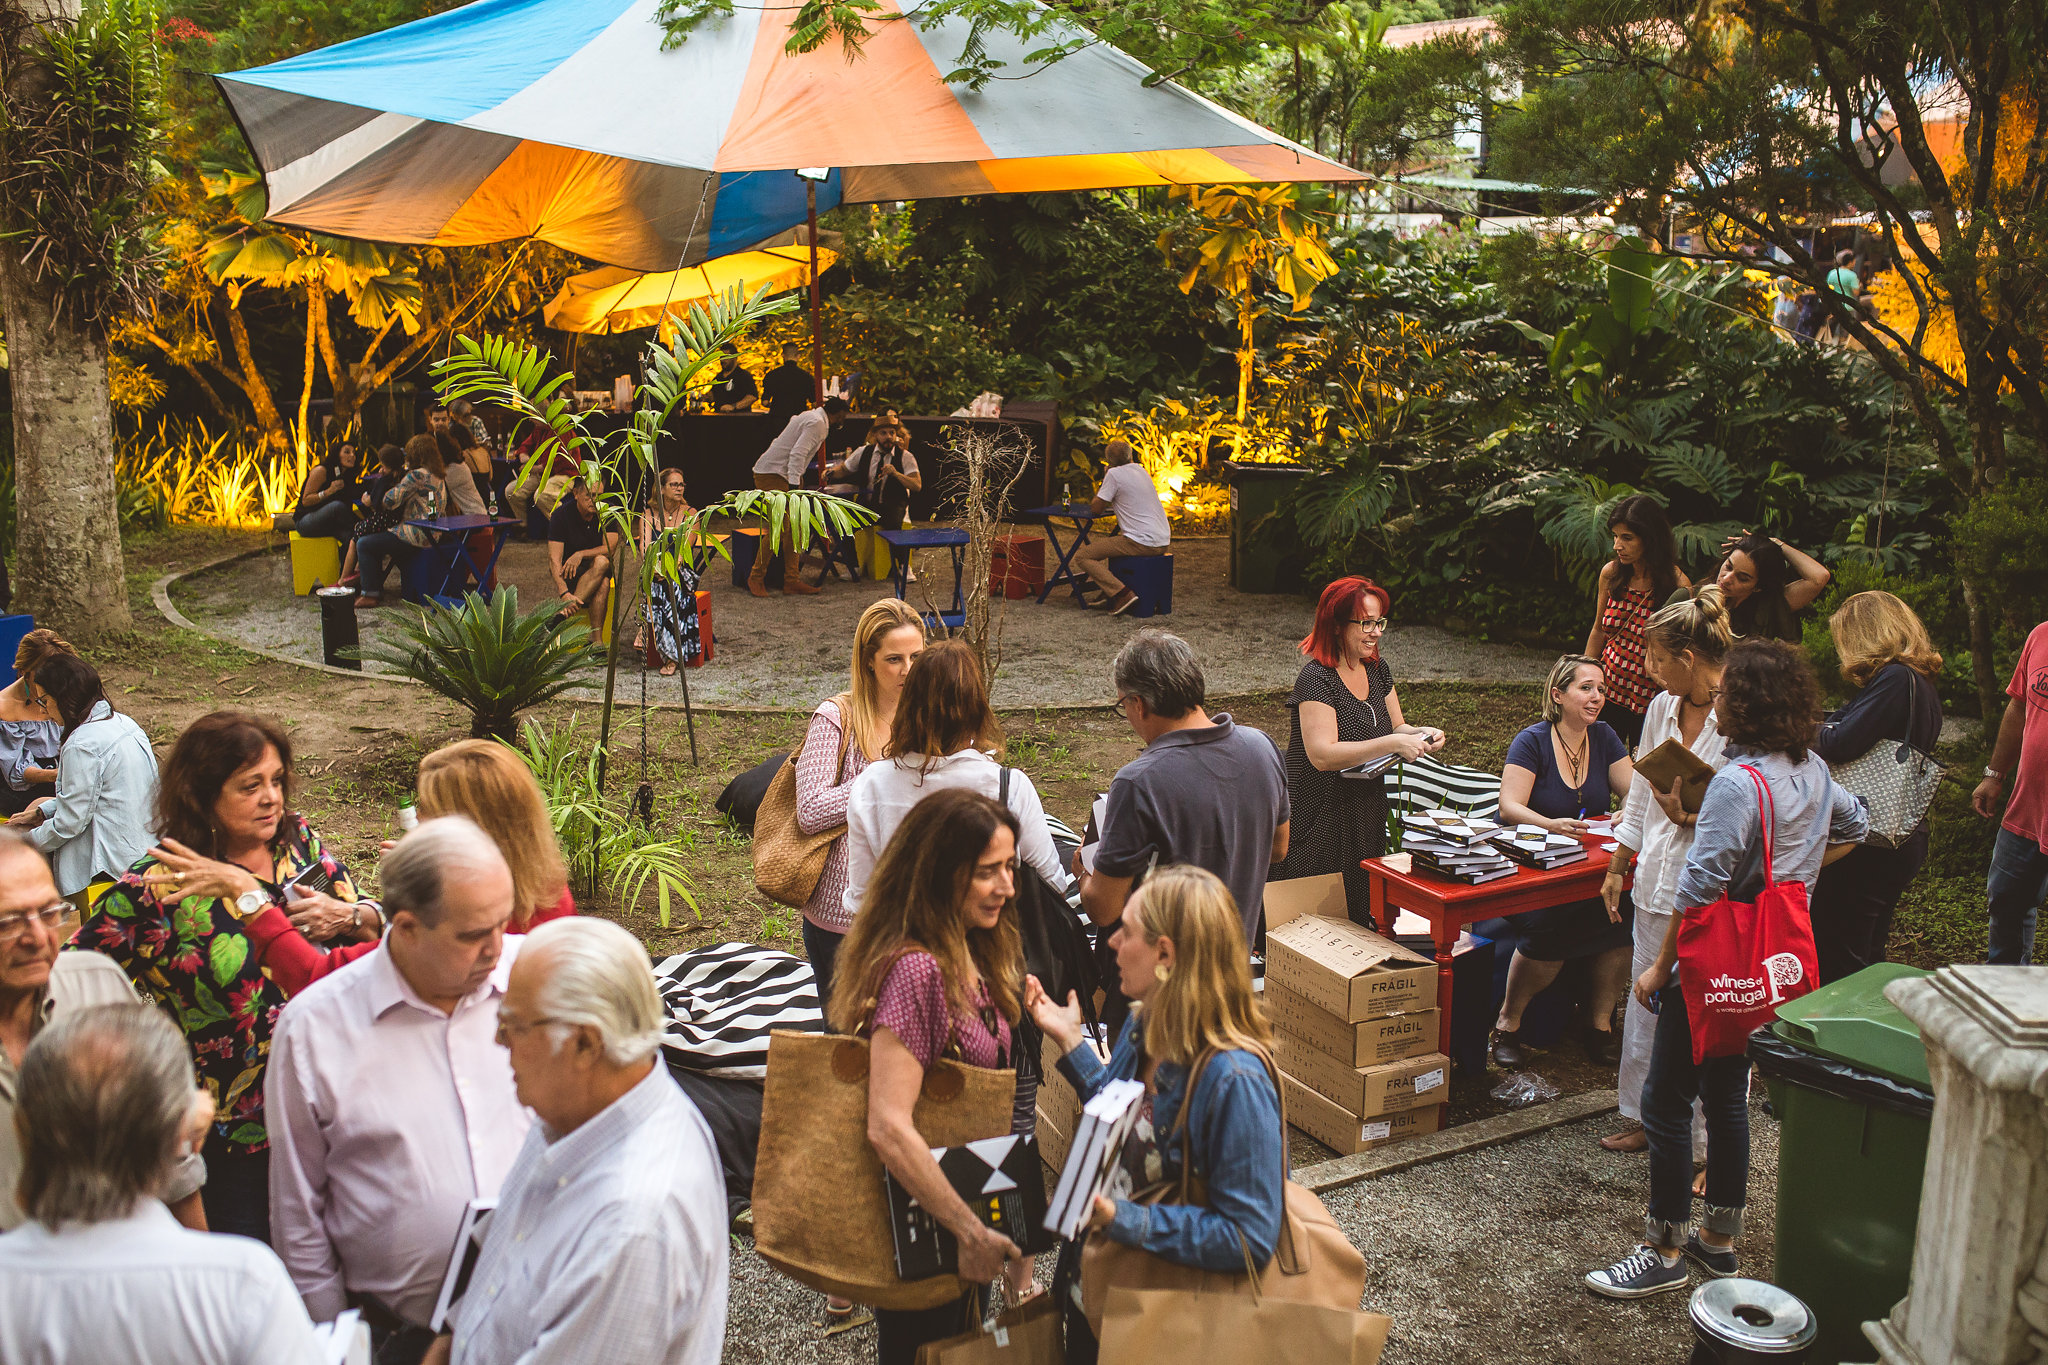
315,559
873,553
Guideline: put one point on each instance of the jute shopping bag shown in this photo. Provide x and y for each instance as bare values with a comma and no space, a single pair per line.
1023,1336
1145,1326
820,1212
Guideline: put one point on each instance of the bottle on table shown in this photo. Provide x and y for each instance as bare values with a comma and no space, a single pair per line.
1066,495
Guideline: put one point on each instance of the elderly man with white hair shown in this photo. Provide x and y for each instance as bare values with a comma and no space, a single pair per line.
108,1104
609,1240
391,1104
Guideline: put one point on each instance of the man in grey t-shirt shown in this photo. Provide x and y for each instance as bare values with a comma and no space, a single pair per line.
1205,792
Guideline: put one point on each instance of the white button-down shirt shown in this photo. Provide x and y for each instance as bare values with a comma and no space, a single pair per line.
608,1244
386,1118
1660,845
791,453
141,1288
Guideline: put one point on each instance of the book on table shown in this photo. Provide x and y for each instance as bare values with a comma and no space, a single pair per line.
1534,846
1106,1121
1000,1179
1444,826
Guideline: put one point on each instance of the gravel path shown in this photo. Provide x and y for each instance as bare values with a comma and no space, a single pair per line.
784,652
1476,1257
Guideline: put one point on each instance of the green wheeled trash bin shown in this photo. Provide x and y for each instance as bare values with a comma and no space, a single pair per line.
1257,553
1848,1079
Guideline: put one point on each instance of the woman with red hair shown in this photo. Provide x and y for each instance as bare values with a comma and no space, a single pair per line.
1345,713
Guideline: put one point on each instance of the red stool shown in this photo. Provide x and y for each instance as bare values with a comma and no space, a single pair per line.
1016,567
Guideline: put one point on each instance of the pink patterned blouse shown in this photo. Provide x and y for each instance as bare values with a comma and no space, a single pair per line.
912,1005
821,796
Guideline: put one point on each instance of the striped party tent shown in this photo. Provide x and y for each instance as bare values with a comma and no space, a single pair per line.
565,121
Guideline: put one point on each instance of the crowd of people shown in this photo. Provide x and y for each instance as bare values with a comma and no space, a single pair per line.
337,1078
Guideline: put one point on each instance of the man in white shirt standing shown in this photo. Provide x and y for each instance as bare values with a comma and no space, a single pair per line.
781,468
108,1105
391,1104
609,1241
1127,492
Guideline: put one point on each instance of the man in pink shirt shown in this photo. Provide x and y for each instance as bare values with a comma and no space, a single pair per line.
393,1104
2018,881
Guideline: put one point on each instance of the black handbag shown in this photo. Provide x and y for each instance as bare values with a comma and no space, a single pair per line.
741,800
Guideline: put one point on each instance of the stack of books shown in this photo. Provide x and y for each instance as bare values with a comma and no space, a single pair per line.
1454,846
1537,847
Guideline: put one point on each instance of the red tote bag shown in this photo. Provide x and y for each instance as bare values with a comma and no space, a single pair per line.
1739,960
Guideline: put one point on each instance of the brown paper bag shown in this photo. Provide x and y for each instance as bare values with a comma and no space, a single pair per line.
1147,1326
1023,1336
821,1216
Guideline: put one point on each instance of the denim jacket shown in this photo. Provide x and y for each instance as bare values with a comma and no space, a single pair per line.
1240,1156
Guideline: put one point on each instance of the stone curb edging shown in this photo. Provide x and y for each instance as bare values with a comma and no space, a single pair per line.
1470,1137
160,594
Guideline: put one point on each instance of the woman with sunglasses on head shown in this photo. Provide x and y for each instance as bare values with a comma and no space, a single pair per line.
1344,713
671,599
1641,577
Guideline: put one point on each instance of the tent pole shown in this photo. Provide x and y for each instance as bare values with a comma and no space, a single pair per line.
817,333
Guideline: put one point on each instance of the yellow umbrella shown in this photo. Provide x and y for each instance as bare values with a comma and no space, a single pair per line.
614,299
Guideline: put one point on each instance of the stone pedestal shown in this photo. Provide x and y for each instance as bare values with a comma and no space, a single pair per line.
1979,1292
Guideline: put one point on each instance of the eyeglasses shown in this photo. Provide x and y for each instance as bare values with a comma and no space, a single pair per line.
1376,625
13,926
509,1027
1117,707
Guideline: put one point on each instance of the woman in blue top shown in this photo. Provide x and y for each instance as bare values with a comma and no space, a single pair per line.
1559,773
1181,958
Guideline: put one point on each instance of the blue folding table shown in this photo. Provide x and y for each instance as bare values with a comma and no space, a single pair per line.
1082,515
453,533
901,543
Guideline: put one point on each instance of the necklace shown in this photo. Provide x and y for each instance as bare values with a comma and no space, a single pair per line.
1576,761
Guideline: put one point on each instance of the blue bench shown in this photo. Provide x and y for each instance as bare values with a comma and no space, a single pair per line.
1151,578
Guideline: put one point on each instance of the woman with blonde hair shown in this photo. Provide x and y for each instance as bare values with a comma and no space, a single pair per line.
30,734
848,732
488,783
933,967
1181,958
1886,653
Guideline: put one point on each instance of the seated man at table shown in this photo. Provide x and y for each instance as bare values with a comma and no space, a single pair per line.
735,390
1127,492
581,553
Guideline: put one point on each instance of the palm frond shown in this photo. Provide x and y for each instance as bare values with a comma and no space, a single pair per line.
489,659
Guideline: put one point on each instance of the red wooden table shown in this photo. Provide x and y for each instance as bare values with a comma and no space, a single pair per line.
1449,906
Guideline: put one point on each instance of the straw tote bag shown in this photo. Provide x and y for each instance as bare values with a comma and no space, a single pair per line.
820,1214
1301,1309
1896,781
787,861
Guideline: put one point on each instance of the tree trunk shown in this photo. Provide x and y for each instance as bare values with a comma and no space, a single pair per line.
67,536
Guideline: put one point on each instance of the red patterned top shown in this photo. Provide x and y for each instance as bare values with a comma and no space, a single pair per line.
912,1005
1621,658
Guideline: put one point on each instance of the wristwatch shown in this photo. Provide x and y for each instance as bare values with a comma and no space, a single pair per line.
249,903
1993,772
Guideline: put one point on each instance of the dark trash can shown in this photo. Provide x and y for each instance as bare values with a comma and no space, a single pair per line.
1262,558
1848,1080
338,627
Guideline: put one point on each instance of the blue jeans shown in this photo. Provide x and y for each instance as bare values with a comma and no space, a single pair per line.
375,554
2017,885
1721,1085
335,519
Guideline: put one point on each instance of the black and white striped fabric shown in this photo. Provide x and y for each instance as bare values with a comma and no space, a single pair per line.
723,1001
1424,783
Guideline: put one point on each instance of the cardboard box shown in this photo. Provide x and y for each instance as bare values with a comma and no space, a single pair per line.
1369,1042
1344,1132
1367,1091
1054,1142
1347,971
1297,896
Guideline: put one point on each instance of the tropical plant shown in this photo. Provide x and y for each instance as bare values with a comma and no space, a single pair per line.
515,377
602,841
199,478
487,658
1250,234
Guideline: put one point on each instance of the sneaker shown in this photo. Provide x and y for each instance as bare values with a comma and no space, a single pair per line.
1715,1261
1638,1275
1122,602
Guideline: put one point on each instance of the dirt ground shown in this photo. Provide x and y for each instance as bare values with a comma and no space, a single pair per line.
790,651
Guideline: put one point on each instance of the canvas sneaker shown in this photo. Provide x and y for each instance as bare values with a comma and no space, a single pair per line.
1638,1275
1716,1261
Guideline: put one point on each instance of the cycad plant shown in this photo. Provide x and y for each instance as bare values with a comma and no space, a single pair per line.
488,658
600,839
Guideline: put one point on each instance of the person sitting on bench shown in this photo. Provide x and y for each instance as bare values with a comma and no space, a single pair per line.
1127,492
581,553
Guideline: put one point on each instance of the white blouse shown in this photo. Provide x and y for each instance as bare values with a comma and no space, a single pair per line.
1660,845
